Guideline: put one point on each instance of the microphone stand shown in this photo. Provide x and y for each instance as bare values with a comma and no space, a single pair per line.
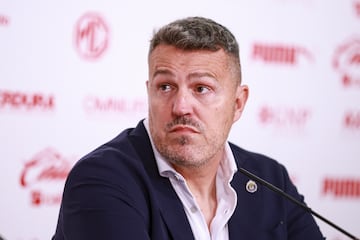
294,200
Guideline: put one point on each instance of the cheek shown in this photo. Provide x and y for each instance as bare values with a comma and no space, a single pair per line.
158,111
224,109
225,115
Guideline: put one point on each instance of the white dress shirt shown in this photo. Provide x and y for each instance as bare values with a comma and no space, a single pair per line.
226,195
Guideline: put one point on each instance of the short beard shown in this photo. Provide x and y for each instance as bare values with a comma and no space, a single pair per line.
183,140
178,158
186,156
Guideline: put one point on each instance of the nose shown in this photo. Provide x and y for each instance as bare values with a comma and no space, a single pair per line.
182,103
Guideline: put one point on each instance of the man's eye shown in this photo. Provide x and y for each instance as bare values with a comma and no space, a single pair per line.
165,87
202,89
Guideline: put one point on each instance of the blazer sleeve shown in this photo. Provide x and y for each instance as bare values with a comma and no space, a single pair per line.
97,203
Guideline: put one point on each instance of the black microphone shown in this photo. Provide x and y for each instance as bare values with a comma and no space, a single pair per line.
294,200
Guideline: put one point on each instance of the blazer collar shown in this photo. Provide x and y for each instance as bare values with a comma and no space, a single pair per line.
248,204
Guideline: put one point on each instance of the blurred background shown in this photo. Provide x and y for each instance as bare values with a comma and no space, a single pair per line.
72,76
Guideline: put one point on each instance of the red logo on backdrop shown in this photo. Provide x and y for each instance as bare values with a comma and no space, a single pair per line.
352,120
94,104
43,174
91,36
347,62
17,100
284,117
357,8
4,20
280,54
341,187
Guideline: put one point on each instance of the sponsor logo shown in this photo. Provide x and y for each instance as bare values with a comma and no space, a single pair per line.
281,54
91,36
284,117
4,20
94,104
357,8
341,187
44,175
17,100
352,120
346,62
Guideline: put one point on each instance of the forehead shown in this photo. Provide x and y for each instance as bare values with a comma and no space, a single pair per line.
170,56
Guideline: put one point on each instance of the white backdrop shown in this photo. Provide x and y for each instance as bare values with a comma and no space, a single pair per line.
72,76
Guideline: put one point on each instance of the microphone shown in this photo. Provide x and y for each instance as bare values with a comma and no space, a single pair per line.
294,200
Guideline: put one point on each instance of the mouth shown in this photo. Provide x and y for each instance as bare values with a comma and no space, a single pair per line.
183,129
183,124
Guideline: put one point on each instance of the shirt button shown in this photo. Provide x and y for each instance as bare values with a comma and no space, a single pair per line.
226,211
193,209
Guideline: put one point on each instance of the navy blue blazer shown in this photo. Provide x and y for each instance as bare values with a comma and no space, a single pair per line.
116,192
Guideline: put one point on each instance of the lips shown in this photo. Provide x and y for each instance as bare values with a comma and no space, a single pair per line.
184,124
183,128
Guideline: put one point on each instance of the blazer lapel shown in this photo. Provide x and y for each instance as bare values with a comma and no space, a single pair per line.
259,214
172,211
244,223
248,210
170,206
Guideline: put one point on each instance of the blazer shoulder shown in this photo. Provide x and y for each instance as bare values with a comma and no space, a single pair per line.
117,159
122,149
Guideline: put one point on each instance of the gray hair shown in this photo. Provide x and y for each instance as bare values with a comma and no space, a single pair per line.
198,33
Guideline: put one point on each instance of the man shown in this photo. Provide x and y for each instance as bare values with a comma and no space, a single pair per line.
175,175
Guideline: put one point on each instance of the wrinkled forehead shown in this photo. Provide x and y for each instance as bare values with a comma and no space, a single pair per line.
172,54
169,60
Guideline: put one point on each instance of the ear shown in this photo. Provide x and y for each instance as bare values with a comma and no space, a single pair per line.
242,94
147,86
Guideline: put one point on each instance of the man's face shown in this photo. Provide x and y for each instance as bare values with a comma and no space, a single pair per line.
193,99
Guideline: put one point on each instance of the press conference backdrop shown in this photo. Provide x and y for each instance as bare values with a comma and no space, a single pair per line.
72,76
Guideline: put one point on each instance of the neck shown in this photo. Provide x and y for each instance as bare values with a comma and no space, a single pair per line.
202,184
200,180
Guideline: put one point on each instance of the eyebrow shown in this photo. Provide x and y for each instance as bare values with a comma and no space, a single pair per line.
201,74
191,75
162,72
